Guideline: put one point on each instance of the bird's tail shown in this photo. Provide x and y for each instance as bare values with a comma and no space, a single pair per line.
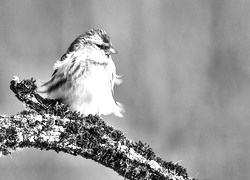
41,88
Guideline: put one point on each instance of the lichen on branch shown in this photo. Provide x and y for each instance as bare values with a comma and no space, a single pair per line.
50,125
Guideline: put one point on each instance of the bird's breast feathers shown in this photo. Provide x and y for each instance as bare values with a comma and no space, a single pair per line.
89,85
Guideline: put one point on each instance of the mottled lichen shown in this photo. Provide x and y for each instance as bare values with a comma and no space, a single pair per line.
50,125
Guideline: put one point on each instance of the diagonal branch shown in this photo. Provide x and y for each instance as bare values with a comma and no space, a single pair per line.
50,125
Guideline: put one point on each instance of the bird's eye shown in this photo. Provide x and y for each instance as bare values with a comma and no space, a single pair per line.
102,46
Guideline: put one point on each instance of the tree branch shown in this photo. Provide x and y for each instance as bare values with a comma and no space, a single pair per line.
50,125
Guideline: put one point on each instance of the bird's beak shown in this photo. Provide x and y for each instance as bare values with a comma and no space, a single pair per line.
112,50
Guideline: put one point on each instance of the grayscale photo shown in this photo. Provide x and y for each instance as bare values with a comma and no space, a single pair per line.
124,90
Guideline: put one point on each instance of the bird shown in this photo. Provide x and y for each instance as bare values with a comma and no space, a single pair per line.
84,77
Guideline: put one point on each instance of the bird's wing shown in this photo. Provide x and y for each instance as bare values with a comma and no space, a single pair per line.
58,78
54,83
74,46
61,59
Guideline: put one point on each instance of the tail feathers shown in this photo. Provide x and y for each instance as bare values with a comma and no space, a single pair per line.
41,88
49,86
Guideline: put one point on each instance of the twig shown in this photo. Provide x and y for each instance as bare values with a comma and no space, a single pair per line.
50,125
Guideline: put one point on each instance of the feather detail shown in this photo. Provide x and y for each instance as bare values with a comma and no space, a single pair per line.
84,77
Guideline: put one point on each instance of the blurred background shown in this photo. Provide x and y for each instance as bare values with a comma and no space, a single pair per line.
186,72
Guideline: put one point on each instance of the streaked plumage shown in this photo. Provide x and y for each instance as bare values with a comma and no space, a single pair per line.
85,76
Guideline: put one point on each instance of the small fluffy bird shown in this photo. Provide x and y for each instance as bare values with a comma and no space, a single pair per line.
85,76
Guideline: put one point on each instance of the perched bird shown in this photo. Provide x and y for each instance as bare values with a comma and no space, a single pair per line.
85,76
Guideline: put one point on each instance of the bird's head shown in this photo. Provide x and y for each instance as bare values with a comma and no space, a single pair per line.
95,37
101,40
